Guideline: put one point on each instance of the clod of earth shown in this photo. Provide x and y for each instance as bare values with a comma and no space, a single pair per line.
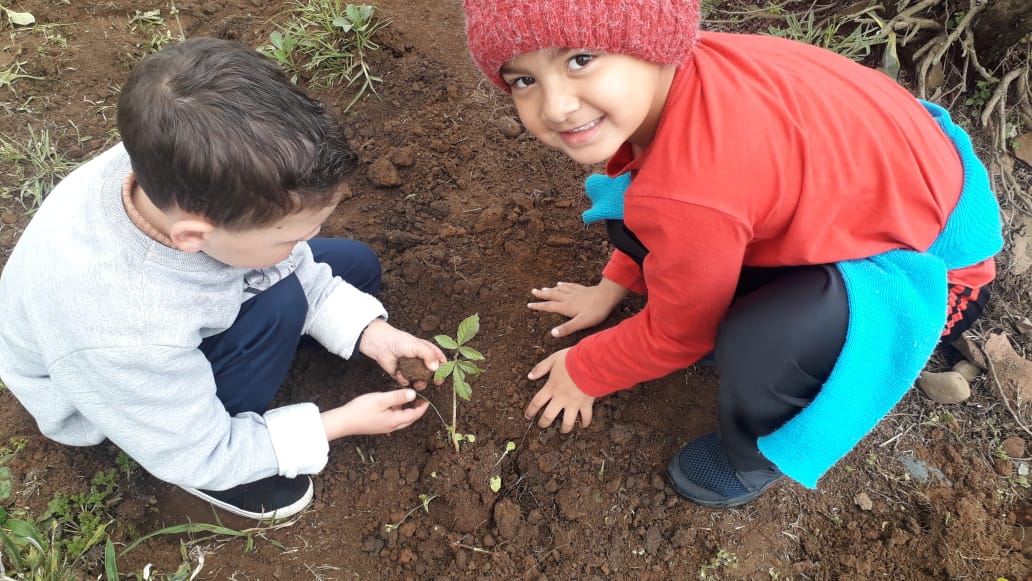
414,370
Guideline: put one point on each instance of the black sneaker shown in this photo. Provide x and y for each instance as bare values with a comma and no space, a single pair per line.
275,497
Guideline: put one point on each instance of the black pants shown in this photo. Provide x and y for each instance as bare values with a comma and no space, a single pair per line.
779,342
775,349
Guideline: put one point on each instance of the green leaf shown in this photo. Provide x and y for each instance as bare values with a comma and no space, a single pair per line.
463,390
468,328
444,371
5,483
19,18
510,446
468,368
110,567
471,353
342,23
446,342
495,483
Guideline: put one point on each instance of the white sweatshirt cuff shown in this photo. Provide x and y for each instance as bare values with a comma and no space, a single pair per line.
298,439
342,317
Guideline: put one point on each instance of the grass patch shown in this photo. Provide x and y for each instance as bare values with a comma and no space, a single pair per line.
34,166
853,37
328,42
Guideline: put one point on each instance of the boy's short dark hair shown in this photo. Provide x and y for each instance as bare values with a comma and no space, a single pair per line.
216,128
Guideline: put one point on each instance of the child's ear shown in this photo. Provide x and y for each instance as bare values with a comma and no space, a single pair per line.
190,233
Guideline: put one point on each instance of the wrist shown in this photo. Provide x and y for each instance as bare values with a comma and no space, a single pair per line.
335,423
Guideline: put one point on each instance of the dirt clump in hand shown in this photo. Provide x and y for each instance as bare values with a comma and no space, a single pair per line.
414,370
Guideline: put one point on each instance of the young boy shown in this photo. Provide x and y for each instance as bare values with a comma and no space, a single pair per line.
802,217
157,297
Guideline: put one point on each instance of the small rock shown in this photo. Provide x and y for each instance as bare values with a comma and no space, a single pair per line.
372,545
383,173
863,501
1023,148
508,127
560,241
1012,372
429,323
944,387
1004,467
403,157
449,230
507,518
971,352
969,370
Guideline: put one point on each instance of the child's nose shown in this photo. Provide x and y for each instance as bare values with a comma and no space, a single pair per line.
558,104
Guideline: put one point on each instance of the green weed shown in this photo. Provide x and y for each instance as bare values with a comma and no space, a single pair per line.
329,41
722,560
853,37
13,73
151,24
36,167
424,503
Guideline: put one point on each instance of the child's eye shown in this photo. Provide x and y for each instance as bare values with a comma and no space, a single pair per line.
521,82
579,61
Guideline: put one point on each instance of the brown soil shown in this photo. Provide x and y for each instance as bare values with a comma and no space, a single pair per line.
468,214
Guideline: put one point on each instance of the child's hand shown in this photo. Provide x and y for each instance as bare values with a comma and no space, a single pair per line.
560,394
380,412
586,306
384,344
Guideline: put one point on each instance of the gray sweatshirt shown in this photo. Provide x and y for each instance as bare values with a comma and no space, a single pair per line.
99,334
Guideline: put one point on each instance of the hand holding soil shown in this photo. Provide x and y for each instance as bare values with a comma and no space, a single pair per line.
415,371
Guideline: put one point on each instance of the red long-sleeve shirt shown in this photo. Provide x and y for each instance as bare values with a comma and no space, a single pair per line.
769,153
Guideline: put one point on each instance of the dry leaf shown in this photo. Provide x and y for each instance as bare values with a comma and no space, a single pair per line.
1012,372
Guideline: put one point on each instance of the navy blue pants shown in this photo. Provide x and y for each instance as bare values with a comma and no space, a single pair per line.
251,359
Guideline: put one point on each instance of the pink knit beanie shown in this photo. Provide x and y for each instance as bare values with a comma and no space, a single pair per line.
661,31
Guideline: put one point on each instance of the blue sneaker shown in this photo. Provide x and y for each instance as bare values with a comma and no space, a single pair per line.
702,473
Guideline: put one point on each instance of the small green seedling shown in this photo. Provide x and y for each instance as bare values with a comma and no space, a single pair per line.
424,500
495,482
459,368
509,447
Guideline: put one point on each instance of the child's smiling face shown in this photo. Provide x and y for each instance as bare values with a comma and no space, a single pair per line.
586,103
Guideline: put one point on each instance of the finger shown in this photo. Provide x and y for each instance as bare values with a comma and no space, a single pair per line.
586,415
400,378
419,385
542,368
548,416
569,420
408,416
399,397
539,399
569,327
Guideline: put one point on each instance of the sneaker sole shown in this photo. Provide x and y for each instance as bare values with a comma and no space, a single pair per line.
278,514
691,491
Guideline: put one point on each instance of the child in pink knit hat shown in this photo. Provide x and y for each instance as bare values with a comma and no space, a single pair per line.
801,219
